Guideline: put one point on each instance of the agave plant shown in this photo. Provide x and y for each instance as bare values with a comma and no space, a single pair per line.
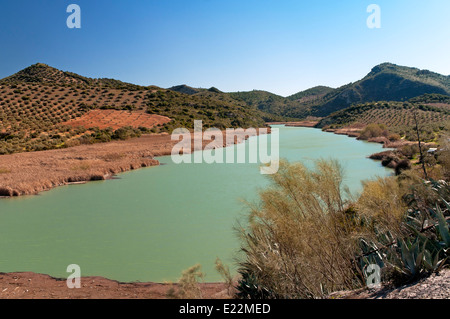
442,226
411,257
433,263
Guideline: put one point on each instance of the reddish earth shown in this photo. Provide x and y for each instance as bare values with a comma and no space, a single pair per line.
30,285
117,119
306,123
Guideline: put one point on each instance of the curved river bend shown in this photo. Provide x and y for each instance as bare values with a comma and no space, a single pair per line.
152,223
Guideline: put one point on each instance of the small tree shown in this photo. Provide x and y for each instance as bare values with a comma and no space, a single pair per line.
416,128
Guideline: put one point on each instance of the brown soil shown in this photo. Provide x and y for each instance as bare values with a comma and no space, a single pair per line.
30,285
31,173
306,123
117,119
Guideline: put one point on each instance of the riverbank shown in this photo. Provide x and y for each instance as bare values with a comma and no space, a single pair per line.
306,123
29,285
35,172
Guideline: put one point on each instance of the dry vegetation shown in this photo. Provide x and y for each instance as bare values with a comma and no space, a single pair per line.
30,173
307,239
298,243
33,172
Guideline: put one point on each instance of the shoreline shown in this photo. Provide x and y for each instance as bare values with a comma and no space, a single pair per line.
30,285
31,173
33,285
35,172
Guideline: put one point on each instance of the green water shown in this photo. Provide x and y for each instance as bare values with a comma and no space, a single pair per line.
152,223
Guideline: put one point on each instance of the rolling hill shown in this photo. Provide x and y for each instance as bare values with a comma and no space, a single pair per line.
431,110
385,82
44,108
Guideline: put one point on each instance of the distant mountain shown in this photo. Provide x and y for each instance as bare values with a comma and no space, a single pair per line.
271,103
235,98
312,94
385,82
184,89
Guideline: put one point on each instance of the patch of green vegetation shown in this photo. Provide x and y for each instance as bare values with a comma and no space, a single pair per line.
214,108
37,101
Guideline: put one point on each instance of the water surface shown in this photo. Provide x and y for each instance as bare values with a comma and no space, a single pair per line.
152,223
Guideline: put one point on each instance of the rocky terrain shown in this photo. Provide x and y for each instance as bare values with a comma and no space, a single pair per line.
437,286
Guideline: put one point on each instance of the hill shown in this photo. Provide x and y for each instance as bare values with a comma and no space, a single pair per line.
44,108
256,105
385,82
184,89
271,104
432,111
312,94
44,74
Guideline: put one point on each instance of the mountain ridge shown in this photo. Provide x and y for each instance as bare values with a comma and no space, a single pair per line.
384,82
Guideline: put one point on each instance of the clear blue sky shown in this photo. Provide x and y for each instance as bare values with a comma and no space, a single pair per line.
282,46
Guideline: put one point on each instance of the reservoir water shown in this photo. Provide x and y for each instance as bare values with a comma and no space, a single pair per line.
150,224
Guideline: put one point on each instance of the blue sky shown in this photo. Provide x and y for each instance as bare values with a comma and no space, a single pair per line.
282,46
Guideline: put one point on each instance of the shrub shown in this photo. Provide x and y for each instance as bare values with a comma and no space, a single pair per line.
394,137
381,203
373,130
417,244
188,285
298,243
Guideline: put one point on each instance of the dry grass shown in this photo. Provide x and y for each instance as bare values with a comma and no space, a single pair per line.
4,170
381,203
299,240
188,286
31,173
